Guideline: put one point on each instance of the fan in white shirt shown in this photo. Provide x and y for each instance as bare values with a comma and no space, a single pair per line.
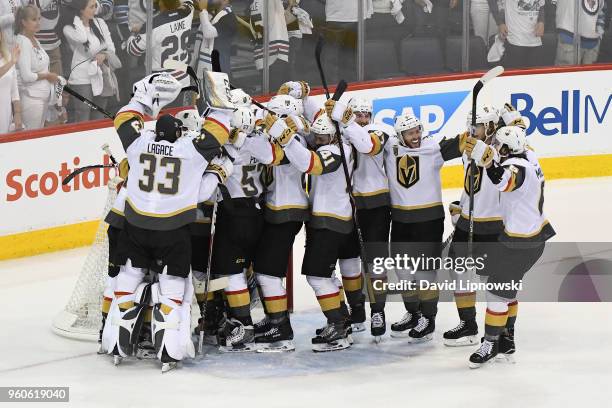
9,102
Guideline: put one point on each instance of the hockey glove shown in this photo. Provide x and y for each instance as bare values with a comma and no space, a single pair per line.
479,151
339,112
222,167
454,209
297,89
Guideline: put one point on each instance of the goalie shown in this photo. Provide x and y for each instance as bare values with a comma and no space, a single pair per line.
162,195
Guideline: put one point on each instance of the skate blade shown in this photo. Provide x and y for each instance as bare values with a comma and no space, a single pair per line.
168,366
417,340
350,339
358,327
101,350
339,344
276,347
247,348
400,334
462,342
474,366
117,360
505,358
377,339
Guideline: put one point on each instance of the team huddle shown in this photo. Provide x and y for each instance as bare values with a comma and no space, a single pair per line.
224,194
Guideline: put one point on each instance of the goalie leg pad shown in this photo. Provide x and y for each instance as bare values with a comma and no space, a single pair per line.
171,323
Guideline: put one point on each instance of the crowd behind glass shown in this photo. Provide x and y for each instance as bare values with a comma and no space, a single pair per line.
91,44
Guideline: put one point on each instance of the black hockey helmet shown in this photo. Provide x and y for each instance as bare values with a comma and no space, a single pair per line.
168,128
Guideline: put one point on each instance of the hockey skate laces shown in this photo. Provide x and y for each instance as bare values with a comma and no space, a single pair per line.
460,326
407,317
423,322
377,319
485,348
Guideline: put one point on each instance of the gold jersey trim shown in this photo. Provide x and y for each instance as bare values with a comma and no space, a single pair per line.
164,215
533,234
372,193
416,207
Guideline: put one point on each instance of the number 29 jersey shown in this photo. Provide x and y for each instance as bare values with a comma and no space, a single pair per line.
163,182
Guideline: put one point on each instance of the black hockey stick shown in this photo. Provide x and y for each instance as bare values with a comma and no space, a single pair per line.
89,103
492,73
340,89
80,170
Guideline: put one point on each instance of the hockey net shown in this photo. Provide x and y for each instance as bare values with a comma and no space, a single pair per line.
82,316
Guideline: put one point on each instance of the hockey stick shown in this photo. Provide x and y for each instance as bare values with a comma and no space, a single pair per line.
80,170
492,73
87,102
340,89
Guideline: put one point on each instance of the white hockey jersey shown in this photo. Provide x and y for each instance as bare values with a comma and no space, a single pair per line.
414,177
116,215
370,185
487,208
521,182
169,40
330,207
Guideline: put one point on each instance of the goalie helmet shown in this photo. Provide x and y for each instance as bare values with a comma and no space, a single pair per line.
240,98
243,119
192,121
285,105
512,137
361,105
323,125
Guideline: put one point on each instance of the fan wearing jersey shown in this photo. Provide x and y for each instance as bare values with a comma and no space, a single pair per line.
487,226
413,164
162,195
170,35
518,177
371,192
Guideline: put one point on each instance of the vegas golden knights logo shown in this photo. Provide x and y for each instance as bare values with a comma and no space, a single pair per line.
407,170
477,179
267,176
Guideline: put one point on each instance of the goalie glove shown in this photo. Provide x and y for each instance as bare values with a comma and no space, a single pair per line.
278,130
454,209
155,91
222,167
297,89
479,151
339,112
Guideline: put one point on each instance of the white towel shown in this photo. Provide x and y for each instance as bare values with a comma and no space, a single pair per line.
95,76
497,50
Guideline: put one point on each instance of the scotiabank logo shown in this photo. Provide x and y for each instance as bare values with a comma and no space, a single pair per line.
22,185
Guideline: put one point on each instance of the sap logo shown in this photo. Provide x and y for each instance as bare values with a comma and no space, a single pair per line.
433,110
577,112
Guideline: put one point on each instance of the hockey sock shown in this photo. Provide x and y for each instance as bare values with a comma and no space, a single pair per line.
352,281
429,301
239,299
410,297
274,296
512,312
496,316
466,305
328,295
380,294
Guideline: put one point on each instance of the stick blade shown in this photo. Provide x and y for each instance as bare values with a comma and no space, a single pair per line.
492,73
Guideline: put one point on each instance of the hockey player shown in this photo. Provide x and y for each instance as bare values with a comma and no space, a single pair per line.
371,192
329,232
238,228
487,226
162,194
413,164
286,209
520,180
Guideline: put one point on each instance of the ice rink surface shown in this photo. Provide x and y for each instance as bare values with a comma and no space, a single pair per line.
564,352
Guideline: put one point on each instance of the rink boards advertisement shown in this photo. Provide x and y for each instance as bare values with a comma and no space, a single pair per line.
569,117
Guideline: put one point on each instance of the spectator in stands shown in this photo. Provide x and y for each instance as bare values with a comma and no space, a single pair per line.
387,21
35,80
8,9
10,106
298,24
278,39
521,25
482,20
341,35
591,28
47,36
93,60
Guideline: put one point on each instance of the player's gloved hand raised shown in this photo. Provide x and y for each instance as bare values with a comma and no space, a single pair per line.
222,167
511,117
298,124
454,209
237,138
339,112
479,151
279,131
297,89
155,91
